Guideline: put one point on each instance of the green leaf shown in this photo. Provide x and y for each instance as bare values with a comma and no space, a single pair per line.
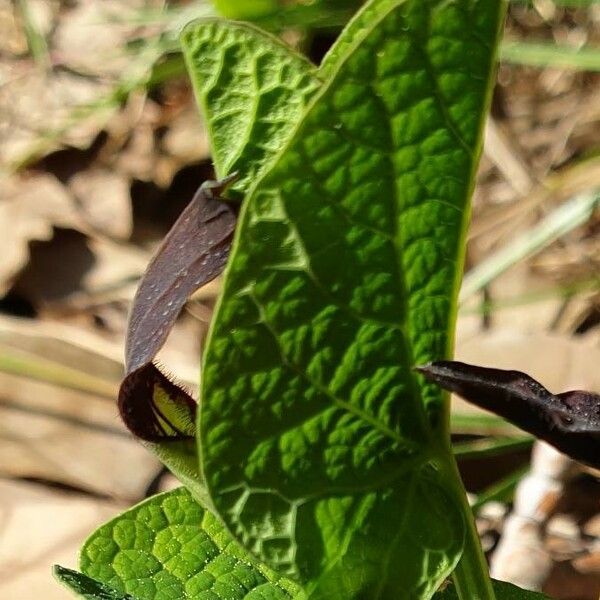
322,451
170,547
252,90
93,590
503,591
86,587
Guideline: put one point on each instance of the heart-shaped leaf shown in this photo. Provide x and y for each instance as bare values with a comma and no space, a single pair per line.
170,547
322,451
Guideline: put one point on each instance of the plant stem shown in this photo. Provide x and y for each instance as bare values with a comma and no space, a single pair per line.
35,38
471,576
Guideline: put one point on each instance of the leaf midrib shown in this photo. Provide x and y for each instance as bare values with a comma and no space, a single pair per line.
386,565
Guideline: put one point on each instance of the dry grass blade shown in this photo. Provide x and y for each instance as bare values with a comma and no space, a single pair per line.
499,149
564,219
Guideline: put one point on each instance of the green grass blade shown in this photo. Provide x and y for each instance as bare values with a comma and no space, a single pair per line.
480,424
565,3
546,55
244,10
485,448
584,286
35,38
275,16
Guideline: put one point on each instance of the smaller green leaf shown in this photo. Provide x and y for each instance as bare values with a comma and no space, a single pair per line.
252,90
503,591
86,587
171,547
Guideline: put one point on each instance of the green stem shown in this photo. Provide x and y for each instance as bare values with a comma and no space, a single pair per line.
471,576
35,38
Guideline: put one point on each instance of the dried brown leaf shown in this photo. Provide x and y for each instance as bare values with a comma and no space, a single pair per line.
186,138
37,110
40,527
56,434
91,37
29,209
104,201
